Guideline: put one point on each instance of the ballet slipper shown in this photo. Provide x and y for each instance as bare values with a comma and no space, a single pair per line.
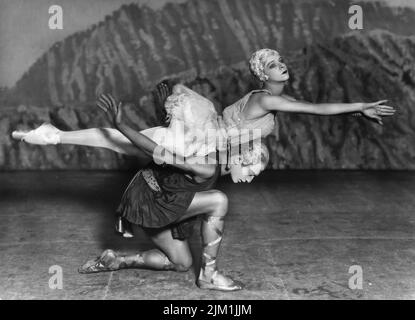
218,282
106,262
43,135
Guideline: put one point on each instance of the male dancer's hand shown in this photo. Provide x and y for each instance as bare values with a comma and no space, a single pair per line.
160,94
107,103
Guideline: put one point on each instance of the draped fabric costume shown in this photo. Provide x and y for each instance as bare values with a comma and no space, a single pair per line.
158,196
235,120
193,127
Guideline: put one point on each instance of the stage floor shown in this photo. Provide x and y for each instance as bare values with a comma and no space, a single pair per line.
289,235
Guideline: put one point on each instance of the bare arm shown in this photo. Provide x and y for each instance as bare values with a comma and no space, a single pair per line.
372,110
289,98
280,103
197,166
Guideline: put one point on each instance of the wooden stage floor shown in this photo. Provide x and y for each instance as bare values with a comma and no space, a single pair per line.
289,235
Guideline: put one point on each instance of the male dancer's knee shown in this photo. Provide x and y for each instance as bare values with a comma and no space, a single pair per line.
221,203
183,264
182,267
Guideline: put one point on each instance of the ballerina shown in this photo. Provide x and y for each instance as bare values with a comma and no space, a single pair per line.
258,108
190,115
165,199
192,128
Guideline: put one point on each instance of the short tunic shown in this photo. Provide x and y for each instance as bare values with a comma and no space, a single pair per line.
159,196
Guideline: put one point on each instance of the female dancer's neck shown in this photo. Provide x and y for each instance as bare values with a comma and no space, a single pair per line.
274,87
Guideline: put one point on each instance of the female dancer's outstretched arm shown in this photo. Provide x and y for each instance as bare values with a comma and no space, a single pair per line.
373,110
268,66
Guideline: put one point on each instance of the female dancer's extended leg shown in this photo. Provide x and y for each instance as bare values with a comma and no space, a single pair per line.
108,138
101,137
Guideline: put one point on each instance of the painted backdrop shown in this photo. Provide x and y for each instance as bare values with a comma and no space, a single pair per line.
206,44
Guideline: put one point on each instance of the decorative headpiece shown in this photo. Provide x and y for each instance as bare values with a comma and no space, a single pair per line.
258,60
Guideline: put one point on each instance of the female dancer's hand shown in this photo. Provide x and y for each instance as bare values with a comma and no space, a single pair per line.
375,110
107,103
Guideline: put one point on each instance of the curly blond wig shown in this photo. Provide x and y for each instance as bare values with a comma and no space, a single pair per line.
257,62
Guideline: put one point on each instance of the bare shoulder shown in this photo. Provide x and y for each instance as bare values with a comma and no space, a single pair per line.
257,101
256,97
267,102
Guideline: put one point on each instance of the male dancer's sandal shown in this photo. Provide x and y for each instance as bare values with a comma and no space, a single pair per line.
215,283
100,264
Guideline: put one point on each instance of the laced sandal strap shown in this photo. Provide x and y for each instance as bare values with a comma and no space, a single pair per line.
211,221
214,275
95,266
212,260
214,242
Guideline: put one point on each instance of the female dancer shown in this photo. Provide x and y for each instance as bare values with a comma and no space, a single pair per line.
192,127
164,200
257,109
190,114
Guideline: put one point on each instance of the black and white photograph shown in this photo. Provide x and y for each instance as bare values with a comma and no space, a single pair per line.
207,150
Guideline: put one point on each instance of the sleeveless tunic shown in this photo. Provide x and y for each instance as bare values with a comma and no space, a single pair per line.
158,196
235,120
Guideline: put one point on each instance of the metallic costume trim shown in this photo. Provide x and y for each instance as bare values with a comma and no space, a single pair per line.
150,179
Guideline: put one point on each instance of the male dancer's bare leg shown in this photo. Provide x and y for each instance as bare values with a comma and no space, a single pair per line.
214,205
172,254
175,254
